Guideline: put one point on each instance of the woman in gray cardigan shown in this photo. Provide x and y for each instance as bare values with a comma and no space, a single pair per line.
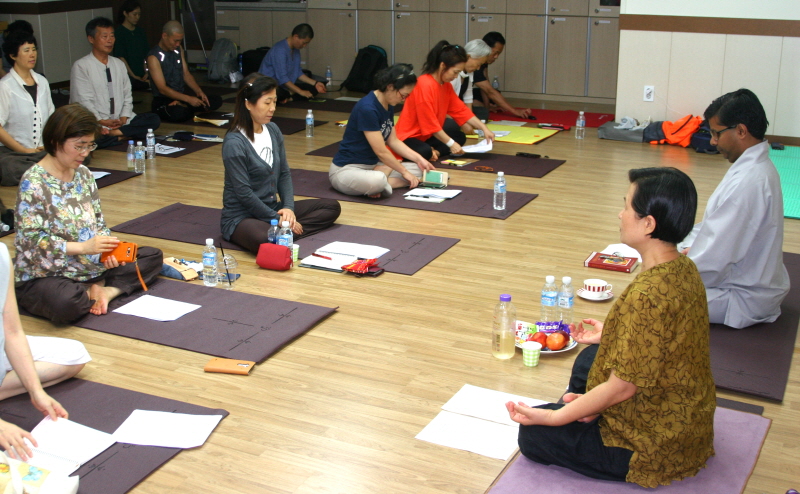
258,183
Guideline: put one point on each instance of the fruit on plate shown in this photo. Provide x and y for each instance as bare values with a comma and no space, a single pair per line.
539,337
557,340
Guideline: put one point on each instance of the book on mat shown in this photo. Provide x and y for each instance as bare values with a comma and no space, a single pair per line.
229,366
611,262
64,445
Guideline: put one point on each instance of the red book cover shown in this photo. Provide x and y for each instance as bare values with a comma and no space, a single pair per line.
611,262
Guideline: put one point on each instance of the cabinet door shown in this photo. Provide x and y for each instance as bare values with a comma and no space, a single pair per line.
334,42
603,57
375,28
568,7
411,5
227,18
604,8
526,6
231,34
332,4
487,6
479,25
526,48
449,26
411,38
255,29
566,56
448,6
374,5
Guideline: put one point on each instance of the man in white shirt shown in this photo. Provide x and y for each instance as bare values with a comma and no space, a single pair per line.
100,82
738,247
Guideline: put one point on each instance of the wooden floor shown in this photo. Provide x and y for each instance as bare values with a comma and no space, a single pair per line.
337,410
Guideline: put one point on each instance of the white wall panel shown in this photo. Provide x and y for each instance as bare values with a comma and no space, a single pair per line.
53,51
753,62
643,60
695,73
76,35
786,121
745,9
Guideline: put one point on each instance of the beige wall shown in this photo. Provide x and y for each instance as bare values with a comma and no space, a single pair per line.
744,9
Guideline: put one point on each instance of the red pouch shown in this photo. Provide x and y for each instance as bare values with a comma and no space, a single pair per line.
275,257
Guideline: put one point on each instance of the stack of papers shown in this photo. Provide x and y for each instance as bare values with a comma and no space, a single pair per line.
65,445
334,255
431,195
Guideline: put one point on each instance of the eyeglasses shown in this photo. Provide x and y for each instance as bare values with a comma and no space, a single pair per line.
85,149
403,96
716,133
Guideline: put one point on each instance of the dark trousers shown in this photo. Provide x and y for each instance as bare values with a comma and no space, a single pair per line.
182,112
284,94
63,300
135,129
137,85
425,149
314,215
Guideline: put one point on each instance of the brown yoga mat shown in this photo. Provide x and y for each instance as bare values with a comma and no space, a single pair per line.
218,90
517,166
188,148
757,360
287,125
228,324
115,177
99,406
471,201
409,252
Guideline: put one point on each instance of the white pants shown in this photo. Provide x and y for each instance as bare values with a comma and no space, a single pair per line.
358,180
54,350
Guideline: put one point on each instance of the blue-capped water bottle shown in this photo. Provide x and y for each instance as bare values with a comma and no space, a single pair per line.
272,233
550,300
500,191
210,263
310,124
131,156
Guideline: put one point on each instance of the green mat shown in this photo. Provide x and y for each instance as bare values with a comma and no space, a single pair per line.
788,164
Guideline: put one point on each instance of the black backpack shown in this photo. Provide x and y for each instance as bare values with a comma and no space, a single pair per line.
223,60
251,59
701,140
368,62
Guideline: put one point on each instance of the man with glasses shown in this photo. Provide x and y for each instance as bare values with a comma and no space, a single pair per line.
738,247
100,82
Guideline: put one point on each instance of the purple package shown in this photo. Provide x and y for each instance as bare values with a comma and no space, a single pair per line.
552,327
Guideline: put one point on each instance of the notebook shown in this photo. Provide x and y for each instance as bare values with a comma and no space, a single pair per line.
64,445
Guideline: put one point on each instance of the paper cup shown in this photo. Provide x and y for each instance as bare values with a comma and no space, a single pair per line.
531,350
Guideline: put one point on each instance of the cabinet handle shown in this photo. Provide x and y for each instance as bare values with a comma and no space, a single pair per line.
350,15
552,9
349,4
552,21
472,7
399,16
397,4
473,18
596,23
596,11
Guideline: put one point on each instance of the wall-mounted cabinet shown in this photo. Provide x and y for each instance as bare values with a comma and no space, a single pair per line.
604,8
332,4
568,7
603,56
334,42
447,6
486,6
412,5
375,28
526,7
479,25
527,53
412,45
566,56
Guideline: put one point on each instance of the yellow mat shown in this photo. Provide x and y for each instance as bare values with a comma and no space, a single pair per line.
519,135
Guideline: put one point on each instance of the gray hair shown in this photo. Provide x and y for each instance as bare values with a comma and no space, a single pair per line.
477,48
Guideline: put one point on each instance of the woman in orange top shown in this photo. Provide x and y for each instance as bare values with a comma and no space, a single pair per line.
423,124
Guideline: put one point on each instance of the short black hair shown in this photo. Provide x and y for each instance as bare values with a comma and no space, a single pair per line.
67,122
91,26
493,37
127,6
740,107
19,25
669,196
444,53
303,31
398,75
13,41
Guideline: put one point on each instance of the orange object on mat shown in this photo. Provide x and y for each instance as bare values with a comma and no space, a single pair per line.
679,132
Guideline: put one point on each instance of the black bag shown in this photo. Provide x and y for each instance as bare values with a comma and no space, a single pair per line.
251,59
223,60
701,140
368,62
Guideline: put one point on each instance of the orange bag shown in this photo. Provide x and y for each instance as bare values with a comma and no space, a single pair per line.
679,132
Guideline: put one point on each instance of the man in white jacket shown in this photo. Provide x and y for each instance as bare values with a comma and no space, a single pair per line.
738,247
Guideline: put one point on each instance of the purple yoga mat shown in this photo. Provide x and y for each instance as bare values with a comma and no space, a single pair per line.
517,166
287,125
119,468
408,253
471,202
738,438
327,105
757,360
115,177
229,324
188,147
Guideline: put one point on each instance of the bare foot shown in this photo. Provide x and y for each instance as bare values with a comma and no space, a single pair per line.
102,295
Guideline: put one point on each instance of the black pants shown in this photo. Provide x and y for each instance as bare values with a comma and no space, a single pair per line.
182,112
425,149
135,129
314,215
137,85
284,94
63,300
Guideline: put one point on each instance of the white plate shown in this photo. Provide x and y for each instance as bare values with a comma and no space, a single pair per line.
585,295
572,344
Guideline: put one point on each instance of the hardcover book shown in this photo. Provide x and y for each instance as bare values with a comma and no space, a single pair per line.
611,262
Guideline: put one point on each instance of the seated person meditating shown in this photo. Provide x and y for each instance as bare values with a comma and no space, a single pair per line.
365,163
423,125
647,415
61,231
282,63
30,364
258,183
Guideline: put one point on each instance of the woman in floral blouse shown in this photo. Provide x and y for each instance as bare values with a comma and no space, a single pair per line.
61,231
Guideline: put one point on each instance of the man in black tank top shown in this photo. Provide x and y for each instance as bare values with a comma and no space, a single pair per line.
170,76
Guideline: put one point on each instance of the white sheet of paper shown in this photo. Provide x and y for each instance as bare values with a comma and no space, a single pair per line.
65,445
97,175
471,434
362,251
486,404
435,193
157,308
335,262
162,149
347,98
483,146
165,429
623,249
512,123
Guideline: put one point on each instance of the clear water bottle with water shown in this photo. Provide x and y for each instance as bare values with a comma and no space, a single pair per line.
550,300
272,233
328,76
504,328
310,124
500,191
138,152
4,227
285,236
131,156
566,299
150,141
210,263
580,126
496,83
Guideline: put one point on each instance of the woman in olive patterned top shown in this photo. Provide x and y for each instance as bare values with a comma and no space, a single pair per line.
648,414
61,231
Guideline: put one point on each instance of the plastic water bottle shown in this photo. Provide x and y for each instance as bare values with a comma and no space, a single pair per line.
150,141
500,191
496,83
4,227
328,76
566,299
580,126
131,156
272,233
241,65
285,236
138,152
549,300
210,263
503,330
310,124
